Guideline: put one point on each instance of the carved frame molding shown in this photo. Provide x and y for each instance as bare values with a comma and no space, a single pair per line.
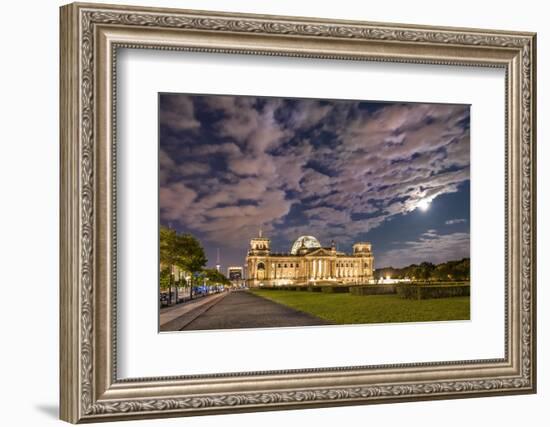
90,37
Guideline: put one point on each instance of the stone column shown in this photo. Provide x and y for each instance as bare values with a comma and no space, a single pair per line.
317,269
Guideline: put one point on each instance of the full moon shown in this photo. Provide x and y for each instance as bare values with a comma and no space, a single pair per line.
423,205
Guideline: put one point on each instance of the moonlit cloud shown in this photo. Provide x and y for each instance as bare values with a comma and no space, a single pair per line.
455,221
335,169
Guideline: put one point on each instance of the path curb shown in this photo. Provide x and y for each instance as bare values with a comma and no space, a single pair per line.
182,321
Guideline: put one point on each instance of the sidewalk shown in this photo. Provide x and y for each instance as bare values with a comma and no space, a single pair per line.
175,318
247,310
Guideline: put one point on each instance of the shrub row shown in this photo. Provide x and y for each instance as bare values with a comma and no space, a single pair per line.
372,290
339,289
412,291
404,290
310,288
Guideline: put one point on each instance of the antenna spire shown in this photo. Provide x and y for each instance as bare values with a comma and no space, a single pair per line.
260,232
218,266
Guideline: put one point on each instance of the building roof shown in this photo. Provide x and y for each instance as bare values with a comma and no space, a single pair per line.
304,242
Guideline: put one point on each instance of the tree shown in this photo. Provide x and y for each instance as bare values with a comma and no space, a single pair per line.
414,271
168,253
181,250
165,278
426,269
168,256
442,272
462,269
214,276
450,270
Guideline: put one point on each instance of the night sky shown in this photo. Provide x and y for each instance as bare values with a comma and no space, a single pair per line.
394,174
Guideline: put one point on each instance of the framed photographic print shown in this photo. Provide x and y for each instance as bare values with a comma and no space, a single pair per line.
291,173
301,212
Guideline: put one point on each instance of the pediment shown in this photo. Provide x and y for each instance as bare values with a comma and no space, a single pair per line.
319,252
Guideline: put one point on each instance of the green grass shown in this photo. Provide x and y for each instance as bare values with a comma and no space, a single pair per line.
347,308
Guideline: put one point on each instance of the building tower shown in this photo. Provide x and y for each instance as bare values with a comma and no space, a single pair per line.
218,265
256,260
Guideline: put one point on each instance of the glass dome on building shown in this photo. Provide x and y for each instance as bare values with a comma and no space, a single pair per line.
307,241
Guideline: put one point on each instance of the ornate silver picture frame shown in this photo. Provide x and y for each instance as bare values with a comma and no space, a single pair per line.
91,390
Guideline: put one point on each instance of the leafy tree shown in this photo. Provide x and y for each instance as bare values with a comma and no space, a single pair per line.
165,278
442,272
450,270
168,252
214,276
425,270
181,250
190,254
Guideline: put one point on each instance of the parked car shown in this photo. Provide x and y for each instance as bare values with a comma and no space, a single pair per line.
200,290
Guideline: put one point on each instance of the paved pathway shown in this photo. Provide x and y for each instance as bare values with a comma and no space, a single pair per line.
245,310
174,318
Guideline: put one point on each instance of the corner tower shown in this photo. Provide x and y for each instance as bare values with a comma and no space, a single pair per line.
257,260
260,244
362,251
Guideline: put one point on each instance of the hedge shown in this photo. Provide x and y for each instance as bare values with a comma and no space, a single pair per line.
412,291
337,289
372,290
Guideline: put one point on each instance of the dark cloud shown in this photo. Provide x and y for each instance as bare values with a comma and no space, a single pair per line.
178,113
335,169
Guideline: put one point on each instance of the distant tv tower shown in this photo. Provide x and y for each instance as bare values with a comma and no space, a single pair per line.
218,265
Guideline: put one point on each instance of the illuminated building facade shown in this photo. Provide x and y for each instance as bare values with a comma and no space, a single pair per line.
235,275
307,263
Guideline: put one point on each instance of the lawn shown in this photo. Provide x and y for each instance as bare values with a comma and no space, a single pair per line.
347,308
